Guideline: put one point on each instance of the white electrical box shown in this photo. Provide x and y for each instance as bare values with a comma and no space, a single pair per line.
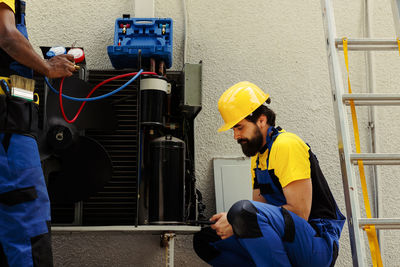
232,178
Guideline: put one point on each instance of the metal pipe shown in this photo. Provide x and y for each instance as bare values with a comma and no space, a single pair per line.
372,97
178,229
386,223
375,103
162,68
374,156
368,44
367,41
378,162
370,81
152,65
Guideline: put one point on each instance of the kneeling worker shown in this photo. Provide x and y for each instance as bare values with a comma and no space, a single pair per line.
293,219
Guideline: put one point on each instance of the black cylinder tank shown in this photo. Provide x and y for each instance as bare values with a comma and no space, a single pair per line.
167,181
153,92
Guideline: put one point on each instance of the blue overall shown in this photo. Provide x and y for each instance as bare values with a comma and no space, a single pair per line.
15,66
312,243
24,202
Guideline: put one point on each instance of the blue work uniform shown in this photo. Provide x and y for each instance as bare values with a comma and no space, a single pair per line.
24,203
268,234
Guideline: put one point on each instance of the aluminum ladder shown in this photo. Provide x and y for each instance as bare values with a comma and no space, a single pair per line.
340,100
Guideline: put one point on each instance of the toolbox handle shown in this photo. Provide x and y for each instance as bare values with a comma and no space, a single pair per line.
143,22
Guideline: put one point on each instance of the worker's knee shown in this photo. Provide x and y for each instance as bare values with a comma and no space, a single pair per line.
243,218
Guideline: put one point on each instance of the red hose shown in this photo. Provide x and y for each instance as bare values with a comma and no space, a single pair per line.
91,92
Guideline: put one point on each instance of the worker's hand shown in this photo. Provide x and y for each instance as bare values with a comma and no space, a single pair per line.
61,66
221,225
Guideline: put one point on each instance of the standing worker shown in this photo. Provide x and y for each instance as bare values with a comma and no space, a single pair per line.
293,219
24,202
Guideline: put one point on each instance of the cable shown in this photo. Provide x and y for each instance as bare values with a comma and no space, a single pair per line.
100,84
92,91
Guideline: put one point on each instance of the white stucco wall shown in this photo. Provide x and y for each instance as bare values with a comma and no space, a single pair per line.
280,46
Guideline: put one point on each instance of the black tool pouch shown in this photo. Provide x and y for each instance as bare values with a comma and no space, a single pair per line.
18,116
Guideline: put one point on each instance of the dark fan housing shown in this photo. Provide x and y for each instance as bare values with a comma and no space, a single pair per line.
77,166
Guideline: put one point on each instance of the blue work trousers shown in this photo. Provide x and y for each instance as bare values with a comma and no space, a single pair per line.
24,204
307,248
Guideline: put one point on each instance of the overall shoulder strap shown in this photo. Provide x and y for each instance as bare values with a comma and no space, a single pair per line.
20,7
272,134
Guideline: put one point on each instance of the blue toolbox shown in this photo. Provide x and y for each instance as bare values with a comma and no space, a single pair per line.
152,36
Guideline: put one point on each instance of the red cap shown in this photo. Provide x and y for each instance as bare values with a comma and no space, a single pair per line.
78,54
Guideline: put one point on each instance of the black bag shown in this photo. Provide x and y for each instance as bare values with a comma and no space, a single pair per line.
18,116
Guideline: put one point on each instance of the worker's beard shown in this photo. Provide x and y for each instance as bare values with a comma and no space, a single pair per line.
250,147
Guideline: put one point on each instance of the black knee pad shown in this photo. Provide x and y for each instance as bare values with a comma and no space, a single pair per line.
243,218
201,244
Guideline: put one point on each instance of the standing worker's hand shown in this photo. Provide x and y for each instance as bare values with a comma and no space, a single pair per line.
222,226
60,66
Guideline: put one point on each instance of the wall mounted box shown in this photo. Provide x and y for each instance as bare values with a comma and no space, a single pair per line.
151,36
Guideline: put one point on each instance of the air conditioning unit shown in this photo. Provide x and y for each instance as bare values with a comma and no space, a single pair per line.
99,169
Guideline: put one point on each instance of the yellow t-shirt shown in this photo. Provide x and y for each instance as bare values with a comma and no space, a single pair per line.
289,159
10,3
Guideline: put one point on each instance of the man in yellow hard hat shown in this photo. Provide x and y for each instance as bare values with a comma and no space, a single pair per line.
293,219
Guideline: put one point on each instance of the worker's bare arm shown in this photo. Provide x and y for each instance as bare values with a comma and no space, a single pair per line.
257,196
19,48
298,196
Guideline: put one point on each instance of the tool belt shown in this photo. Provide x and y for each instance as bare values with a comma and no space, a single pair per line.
18,115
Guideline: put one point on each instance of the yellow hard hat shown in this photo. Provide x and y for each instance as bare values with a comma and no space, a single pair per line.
238,102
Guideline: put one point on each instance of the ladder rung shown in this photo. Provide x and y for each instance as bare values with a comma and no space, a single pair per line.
376,158
372,99
380,223
368,44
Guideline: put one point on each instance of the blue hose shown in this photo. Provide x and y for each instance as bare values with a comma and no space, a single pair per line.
97,97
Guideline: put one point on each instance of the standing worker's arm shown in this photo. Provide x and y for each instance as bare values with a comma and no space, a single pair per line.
19,48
